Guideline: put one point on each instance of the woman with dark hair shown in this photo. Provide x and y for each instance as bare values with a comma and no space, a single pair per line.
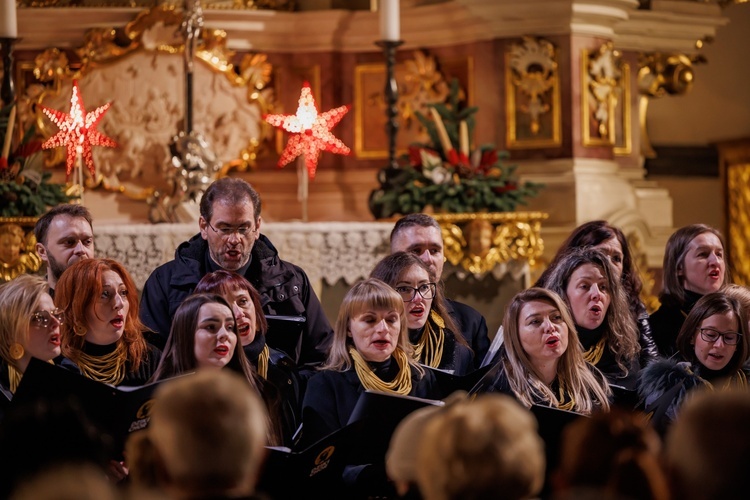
273,366
587,282
434,335
693,266
541,362
101,332
611,241
712,348
203,336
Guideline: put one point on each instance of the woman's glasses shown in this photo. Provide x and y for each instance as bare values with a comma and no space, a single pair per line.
426,290
43,319
711,335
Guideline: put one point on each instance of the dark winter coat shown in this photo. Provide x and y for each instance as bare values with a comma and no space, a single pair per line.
284,290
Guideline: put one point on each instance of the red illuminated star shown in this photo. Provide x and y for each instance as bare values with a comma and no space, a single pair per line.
311,132
77,131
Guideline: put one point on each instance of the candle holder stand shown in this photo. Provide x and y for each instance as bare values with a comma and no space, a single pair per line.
7,90
391,97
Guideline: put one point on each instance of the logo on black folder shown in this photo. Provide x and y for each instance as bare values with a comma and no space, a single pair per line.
322,460
142,416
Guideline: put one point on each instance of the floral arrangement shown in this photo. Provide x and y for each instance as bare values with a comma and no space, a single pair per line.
25,190
445,175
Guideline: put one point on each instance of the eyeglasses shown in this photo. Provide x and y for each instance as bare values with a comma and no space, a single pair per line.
42,319
711,335
229,230
426,290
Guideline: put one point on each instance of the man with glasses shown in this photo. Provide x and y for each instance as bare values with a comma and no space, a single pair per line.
64,235
230,239
420,234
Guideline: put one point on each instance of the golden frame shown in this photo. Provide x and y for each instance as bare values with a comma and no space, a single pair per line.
619,128
520,127
623,116
369,116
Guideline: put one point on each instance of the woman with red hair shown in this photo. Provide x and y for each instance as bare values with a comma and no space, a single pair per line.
101,333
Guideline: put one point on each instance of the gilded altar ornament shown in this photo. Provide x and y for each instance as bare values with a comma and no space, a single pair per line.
423,84
144,118
481,241
660,75
648,295
738,208
17,250
195,164
533,94
602,75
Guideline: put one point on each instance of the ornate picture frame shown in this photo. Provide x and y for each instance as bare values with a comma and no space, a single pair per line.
421,80
533,117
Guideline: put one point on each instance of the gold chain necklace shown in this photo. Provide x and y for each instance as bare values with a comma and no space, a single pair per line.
431,343
107,369
263,359
14,378
564,406
594,353
400,385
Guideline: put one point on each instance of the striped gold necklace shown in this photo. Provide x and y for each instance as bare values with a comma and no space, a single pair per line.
429,349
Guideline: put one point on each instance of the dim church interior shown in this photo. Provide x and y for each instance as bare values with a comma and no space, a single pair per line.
675,90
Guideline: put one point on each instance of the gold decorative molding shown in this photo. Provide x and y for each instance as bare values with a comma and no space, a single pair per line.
281,5
738,220
17,247
602,78
479,242
420,83
660,75
532,94
146,114
647,296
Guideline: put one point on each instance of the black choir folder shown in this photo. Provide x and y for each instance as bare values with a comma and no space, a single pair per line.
475,382
285,333
115,411
364,440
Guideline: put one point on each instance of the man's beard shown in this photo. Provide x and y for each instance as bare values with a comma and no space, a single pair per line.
55,267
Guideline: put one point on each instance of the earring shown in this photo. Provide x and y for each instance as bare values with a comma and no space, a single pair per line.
80,330
16,351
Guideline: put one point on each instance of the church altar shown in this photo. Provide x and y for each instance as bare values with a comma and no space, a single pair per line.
328,251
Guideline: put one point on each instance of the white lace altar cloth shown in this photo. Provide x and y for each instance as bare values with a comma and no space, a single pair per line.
327,251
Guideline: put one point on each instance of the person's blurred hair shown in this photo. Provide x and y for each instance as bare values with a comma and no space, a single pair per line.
707,448
19,299
67,482
482,449
615,455
208,431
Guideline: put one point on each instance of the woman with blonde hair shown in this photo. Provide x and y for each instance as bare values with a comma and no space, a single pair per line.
541,360
370,350
102,334
29,327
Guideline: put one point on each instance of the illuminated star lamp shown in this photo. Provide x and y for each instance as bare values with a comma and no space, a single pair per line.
311,131
77,132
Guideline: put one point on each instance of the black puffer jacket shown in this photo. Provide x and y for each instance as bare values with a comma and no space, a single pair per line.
284,290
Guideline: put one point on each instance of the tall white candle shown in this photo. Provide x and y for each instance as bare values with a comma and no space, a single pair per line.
390,21
8,25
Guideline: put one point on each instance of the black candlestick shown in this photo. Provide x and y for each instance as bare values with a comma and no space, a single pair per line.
391,97
7,92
